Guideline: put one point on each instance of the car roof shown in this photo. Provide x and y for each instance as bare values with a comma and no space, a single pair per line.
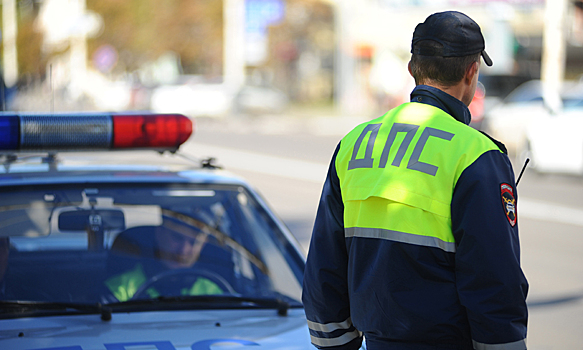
532,90
111,167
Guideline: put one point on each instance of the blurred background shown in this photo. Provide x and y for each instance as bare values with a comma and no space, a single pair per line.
274,84
219,58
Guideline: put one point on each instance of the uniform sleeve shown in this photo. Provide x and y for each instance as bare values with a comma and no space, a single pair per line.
325,290
490,281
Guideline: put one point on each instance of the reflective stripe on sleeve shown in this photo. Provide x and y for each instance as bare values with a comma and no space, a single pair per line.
329,327
402,237
517,345
341,340
345,338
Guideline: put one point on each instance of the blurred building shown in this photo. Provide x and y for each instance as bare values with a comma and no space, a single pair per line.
355,53
513,31
346,53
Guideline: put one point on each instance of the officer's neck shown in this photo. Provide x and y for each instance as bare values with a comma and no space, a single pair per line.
464,89
435,97
459,91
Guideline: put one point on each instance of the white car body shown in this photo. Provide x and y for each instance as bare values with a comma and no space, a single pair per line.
160,330
555,142
193,100
509,120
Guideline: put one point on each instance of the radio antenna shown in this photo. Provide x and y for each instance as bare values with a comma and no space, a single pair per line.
52,88
522,171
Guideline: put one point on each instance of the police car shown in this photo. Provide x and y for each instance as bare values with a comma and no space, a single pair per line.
98,253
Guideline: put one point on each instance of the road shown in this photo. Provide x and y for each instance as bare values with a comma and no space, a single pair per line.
286,160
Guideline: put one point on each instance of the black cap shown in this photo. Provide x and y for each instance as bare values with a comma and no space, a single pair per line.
458,33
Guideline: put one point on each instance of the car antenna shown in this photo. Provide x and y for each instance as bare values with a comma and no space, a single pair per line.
522,171
205,163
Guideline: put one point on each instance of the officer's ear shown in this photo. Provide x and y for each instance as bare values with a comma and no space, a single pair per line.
411,72
472,70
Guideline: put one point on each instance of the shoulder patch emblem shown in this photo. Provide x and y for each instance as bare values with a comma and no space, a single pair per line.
508,203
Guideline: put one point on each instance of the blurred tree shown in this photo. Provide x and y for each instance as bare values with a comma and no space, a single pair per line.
143,30
302,51
31,60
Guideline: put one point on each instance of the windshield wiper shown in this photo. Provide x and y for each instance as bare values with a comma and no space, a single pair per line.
43,307
214,301
10,309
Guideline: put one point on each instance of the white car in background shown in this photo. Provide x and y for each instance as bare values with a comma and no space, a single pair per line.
554,142
508,121
192,99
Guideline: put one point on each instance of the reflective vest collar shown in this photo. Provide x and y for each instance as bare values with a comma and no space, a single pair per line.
444,101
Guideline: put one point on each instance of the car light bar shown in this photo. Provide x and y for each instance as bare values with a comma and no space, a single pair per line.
86,131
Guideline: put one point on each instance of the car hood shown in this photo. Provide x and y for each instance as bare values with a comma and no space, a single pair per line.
166,330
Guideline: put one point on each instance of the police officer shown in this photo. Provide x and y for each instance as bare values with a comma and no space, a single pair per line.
176,246
415,243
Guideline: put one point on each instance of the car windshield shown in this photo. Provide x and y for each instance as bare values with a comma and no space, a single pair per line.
106,243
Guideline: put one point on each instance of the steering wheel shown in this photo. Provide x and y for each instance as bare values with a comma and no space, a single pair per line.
178,278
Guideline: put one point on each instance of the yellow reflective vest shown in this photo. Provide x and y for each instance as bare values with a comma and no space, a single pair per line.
398,172
124,286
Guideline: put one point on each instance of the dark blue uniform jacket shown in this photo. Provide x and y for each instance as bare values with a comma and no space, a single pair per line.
404,296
